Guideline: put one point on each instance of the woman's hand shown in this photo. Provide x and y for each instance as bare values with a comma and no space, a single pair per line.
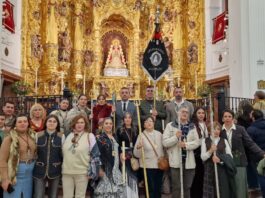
213,148
122,158
216,159
101,173
140,144
5,184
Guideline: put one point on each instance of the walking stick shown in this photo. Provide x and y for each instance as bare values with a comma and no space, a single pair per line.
181,163
216,142
137,104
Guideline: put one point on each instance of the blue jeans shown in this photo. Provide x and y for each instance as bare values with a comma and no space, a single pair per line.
252,175
24,182
262,184
40,184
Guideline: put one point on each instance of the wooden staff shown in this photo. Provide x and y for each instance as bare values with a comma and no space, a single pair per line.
137,104
216,142
114,115
181,162
123,162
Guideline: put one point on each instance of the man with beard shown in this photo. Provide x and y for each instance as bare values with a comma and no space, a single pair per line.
173,107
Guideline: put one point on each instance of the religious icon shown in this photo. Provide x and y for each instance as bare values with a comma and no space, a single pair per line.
115,57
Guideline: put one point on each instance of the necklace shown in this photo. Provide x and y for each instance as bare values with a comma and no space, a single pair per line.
27,142
75,142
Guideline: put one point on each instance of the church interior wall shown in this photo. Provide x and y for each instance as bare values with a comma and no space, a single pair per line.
10,53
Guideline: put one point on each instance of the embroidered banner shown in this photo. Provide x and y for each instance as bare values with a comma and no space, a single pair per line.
219,24
8,16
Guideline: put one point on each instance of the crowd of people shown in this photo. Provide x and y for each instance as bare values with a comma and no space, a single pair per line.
113,150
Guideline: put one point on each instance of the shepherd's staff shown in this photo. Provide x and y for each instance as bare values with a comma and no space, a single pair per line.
215,164
114,115
137,104
123,163
92,105
181,162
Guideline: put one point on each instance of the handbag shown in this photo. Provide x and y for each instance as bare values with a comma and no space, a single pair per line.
162,163
135,164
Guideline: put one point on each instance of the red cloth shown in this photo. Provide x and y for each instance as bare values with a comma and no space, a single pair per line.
219,24
35,127
100,111
8,16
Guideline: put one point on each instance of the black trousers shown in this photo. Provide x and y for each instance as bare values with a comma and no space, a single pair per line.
154,177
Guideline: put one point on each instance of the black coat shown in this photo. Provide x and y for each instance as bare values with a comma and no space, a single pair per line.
242,142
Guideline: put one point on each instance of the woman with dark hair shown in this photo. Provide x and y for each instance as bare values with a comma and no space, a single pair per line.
17,159
110,184
80,159
151,141
100,111
128,133
243,114
48,165
199,118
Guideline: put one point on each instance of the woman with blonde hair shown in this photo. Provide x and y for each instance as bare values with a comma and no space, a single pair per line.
37,117
17,159
80,158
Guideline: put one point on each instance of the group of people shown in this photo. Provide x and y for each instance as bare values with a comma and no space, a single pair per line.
87,149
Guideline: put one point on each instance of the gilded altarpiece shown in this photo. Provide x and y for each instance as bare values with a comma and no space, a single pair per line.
78,41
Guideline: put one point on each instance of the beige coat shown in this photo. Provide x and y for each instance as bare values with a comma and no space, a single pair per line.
151,160
170,141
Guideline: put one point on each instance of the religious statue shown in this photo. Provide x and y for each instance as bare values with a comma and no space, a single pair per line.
36,47
170,89
115,57
65,47
88,58
131,87
104,89
192,53
169,48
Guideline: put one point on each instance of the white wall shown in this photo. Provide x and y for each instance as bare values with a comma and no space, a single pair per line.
12,61
247,45
214,67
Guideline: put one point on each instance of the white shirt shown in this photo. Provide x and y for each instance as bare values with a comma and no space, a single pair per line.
126,104
229,133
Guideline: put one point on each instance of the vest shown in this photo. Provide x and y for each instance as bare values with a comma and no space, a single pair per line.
49,152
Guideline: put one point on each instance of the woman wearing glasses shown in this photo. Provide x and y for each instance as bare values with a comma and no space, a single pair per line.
80,159
110,184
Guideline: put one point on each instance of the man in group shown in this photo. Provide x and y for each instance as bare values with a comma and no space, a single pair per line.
181,139
173,107
124,106
9,110
61,113
150,108
257,132
80,108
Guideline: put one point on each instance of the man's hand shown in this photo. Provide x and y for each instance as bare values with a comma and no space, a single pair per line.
154,112
182,144
178,134
113,108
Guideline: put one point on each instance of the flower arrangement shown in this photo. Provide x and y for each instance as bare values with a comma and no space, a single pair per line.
21,88
204,90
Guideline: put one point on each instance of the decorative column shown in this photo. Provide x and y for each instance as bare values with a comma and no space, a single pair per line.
97,52
77,63
50,62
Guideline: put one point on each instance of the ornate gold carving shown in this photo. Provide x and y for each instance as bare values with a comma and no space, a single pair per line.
75,37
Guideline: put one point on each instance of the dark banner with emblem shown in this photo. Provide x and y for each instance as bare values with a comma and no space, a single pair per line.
155,60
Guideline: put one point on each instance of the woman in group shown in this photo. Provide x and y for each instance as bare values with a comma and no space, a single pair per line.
110,184
199,118
48,165
212,151
128,133
151,141
80,159
100,111
37,117
17,159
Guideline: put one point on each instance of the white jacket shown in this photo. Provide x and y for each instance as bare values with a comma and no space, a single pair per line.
170,141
